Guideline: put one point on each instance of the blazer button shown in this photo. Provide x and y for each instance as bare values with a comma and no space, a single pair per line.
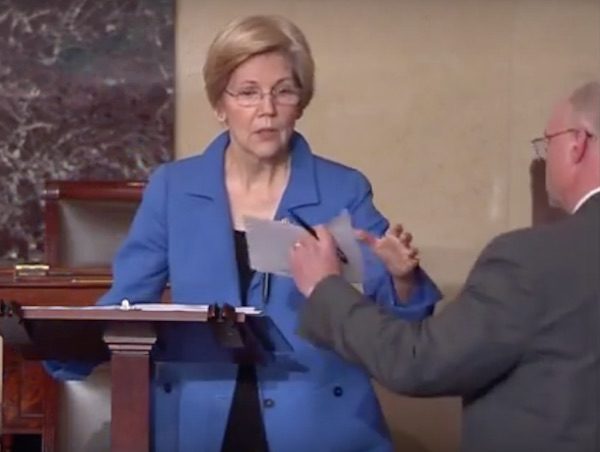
269,403
338,391
168,387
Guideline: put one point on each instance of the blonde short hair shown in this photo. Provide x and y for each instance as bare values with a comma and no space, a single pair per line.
246,37
585,101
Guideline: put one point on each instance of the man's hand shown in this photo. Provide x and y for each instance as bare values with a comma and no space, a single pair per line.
312,260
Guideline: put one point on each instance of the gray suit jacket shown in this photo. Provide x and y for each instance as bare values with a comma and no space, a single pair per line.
520,345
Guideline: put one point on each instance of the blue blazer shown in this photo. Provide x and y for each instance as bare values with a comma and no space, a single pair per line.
182,234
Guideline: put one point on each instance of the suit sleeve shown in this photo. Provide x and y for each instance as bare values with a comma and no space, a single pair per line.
378,284
474,341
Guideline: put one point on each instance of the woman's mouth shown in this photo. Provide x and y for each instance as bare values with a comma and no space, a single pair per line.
267,133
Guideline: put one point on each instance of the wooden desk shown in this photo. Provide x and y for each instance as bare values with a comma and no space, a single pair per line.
29,394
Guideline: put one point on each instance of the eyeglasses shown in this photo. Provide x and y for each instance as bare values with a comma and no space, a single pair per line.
540,145
253,96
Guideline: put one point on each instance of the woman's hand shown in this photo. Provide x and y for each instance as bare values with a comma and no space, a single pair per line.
397,254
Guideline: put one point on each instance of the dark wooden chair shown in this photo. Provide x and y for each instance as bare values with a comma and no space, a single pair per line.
541,210
86,221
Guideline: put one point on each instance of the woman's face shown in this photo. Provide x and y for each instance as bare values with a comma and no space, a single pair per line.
260,106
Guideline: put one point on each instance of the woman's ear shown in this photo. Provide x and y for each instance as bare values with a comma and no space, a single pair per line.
220,115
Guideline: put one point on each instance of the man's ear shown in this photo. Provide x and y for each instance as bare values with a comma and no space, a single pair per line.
580,145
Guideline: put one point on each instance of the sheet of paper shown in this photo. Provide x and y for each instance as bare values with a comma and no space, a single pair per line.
164,307
269,244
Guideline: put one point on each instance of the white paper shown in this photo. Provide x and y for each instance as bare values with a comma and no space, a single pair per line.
269,244
163,307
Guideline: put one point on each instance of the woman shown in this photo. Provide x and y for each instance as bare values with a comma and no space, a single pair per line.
189,232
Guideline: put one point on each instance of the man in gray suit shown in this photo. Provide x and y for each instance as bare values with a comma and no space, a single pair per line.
521,344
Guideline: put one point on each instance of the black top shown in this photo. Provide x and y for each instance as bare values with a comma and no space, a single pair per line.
245,430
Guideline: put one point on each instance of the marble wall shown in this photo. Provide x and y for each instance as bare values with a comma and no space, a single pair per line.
86,92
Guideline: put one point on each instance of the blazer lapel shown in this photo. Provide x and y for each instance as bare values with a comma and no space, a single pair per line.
214,244
303,187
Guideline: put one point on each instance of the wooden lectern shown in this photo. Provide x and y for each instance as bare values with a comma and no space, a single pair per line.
132,339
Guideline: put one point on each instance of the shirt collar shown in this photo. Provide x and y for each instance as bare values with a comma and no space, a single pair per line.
587,196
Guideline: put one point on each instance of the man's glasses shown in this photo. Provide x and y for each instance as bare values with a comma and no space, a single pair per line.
540,145
253,95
